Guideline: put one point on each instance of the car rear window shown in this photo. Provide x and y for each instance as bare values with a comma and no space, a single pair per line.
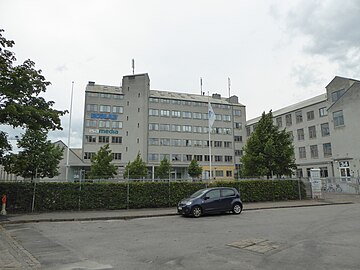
227,193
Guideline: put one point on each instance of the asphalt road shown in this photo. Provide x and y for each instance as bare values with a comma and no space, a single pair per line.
325,237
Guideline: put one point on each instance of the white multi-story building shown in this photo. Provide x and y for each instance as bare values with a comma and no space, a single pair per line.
133,119
325,130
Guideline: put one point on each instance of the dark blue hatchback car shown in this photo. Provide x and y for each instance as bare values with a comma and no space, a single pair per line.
211,200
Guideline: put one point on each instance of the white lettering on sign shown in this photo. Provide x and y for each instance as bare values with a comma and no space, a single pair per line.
93,131
107,131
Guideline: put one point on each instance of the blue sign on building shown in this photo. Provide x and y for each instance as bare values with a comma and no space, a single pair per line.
104,116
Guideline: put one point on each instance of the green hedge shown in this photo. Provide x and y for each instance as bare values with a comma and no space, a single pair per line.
68,196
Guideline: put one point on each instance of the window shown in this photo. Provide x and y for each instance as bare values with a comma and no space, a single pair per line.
196,115
103,139
104,124
279,122
238,152
238,125
116,139
248,132
165,100
186,114
185,102
153,141
310,115
164,127
165,113
218,158
229,173
205,116
213,194
312,132
88,155
337,94
198,157
300,134
187,157
217,143
176,157
298,116
314,151
327,149
302,152
291,135
218,117
176,102
237,112
164,156
228,158
219,173
186,128
116,124
176,142
324,172
227,131
226,118
175,114
197,143
338,118
153,126
90,123
118,109
299,173
105,108
288,119
325,129
91,108
165,142
187,143
153,157
176,128
153,112
90,139
154,100
322,112
116,156
227,144
238,138
197,129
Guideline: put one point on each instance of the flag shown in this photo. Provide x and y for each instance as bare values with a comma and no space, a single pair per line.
211,115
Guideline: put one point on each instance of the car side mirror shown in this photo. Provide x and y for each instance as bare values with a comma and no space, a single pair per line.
206,198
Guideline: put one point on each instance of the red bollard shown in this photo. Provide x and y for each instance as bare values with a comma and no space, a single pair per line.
3,210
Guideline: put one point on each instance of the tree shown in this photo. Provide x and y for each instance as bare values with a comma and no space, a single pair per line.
194,169
163,171
39,158
20,102
136,169
268,151
101,166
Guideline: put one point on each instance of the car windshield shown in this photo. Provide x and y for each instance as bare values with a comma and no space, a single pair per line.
198,193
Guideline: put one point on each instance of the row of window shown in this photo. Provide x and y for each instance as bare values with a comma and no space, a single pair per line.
104,95
314,152
188,129
188,143
89,155
186,157
187,115
103,124
310,115
323,172
325,131
103,139
192,103
104,108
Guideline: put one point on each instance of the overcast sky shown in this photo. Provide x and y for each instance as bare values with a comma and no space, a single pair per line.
276,53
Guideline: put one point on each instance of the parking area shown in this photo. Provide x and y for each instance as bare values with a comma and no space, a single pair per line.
324,237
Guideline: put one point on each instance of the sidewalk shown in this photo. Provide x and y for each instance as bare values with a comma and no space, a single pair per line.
329,199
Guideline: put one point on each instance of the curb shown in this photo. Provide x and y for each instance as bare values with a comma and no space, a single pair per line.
129,217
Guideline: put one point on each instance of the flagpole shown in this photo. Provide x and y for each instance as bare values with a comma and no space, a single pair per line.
69,133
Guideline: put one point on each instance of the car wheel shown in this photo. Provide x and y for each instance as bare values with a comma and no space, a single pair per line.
196,211
237,208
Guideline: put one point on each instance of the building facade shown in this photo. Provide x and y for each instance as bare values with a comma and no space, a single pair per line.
133,119
325,130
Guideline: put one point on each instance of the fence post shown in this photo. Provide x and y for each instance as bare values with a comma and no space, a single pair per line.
33,199
127,194
299,188
169,193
